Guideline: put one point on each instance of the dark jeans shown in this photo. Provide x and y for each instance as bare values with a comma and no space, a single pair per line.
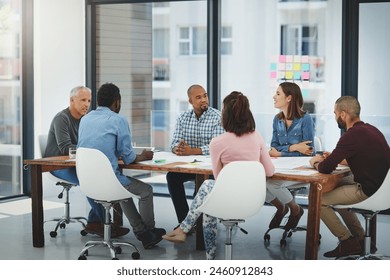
176,190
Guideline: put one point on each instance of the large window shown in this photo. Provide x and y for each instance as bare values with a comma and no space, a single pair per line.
298,41
137,48
156,50
10,98
193,40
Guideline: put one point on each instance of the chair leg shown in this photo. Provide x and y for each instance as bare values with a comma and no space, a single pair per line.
113,246
228,242
67,219
229,225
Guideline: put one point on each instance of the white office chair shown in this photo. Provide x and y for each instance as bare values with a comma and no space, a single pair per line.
238,193
66,186
99,182
317,144
379,201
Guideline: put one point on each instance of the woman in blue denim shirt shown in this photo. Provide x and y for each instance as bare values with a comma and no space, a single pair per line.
293,135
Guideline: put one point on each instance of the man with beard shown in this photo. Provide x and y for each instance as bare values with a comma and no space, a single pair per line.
365,150
194,130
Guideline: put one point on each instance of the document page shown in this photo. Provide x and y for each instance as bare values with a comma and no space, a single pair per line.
289,165
161,158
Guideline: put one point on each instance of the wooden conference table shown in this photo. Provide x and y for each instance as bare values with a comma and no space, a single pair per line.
318,183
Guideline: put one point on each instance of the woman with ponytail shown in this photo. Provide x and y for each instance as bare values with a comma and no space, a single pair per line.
240,142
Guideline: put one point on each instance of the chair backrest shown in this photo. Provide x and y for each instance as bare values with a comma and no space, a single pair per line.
42,138
239,191
379,201
317,144
97,178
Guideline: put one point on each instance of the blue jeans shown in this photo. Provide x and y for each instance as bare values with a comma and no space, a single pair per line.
96,214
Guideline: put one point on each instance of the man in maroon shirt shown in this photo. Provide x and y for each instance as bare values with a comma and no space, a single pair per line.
365,150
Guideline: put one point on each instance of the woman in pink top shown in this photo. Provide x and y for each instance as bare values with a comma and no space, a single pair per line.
239,142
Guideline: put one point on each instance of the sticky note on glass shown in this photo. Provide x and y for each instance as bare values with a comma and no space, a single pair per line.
305,75
289,75
296,66
305,67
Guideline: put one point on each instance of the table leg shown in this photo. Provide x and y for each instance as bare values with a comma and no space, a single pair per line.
37,206
199,227
313,221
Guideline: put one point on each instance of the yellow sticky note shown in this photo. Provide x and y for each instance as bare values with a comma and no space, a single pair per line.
296,66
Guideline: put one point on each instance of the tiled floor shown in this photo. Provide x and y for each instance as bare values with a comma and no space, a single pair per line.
16,237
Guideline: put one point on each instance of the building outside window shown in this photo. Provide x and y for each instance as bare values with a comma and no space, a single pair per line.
10,98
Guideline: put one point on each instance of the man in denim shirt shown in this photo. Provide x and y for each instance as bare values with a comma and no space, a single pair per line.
194,130
107,131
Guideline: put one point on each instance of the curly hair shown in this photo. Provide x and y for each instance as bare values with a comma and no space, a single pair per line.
107,94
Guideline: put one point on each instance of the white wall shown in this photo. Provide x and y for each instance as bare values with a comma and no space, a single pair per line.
59,56
374,41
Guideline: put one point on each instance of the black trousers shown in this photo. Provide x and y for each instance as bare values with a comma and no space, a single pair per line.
176,190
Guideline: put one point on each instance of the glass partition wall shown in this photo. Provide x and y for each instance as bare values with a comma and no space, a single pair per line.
155,51
10,98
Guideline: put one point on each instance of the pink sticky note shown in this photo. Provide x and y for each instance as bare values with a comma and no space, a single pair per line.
282,58
305,75
305,59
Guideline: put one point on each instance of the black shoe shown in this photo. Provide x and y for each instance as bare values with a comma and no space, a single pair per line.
158,231
149,238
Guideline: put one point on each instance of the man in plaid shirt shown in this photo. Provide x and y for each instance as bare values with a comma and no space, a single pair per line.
194,130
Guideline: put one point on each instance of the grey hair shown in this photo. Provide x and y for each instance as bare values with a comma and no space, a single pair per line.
76,90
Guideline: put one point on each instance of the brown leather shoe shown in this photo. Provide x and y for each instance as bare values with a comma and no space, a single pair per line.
351,246
95,228
278,217
293,220
98,229
117,231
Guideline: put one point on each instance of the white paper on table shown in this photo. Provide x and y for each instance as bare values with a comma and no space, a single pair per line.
290,162
160,158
